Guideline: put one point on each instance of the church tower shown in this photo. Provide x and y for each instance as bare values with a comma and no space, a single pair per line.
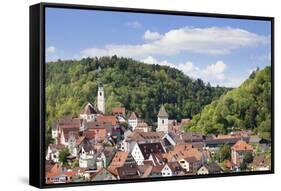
101,103
162,121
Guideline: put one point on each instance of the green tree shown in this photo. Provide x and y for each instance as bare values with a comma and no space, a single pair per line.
63,154
224,153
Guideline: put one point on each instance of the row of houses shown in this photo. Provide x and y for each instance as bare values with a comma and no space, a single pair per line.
117,146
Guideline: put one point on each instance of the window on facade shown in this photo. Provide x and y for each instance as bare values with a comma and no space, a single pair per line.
162,121
100,93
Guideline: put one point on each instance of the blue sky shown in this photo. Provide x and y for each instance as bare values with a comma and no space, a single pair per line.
219,51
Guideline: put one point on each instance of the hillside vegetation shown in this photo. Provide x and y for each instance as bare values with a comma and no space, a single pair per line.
247,107
128,83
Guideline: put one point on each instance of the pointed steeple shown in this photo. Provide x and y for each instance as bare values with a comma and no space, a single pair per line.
162,112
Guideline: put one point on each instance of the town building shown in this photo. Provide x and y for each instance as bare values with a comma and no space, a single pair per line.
162,120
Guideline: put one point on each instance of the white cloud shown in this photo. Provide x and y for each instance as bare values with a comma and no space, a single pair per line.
134,24
213,73
51,49
148,35
212,40
51,52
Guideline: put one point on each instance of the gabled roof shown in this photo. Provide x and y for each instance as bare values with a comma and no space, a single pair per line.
213,167
174,166
128,172
118,161
95,133
157,169
162,112
67,132
103,174
148,148
193,152
107,119
69,122
133,116
191,160
242,146
89,109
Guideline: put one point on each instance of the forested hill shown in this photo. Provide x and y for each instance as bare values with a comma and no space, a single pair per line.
134,85
247,107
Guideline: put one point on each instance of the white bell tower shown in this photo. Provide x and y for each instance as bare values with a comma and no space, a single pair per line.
101,107
163,120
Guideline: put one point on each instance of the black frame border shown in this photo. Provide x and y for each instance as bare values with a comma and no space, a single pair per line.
37,92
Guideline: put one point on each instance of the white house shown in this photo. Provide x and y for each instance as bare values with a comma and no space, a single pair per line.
137,154
171,169
166,171
87,159
89,113
143,151
162,120
53,152
133,120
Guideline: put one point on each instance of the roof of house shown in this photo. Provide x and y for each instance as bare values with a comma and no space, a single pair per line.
95,124
118,161
193,152
213,167
107,119
162,112
170,155
174,166
186,137
67,132
144,136
182,147
242,146
145,170
142,124
89,109
148,148
88,147
128,172
191,159
95,133
157,169
70,122
103,174
133,116
56,146
157,158
80,140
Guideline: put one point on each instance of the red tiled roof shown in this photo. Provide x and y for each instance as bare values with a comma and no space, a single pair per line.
107,119
242,146
94,133
118,161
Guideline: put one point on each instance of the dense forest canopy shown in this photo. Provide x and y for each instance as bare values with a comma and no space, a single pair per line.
128,83
246,107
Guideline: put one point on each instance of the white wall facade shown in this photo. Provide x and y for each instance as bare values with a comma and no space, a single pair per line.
101,100
162,124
